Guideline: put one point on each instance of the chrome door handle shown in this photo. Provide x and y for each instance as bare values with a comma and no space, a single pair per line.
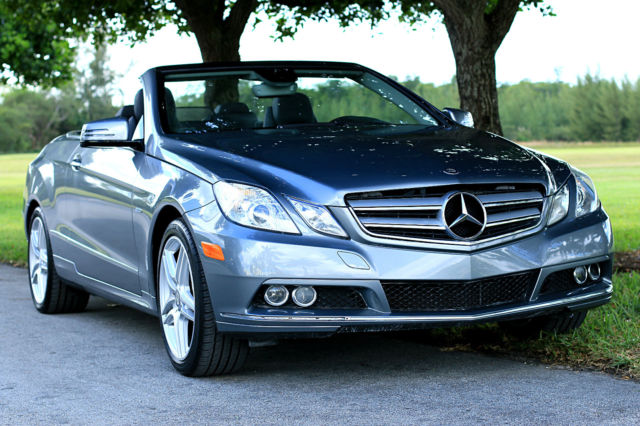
76,162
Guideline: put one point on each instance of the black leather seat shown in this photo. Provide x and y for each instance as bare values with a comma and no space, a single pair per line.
235,115
292,109
138,110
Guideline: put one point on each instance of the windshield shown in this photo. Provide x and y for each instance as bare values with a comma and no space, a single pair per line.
284,97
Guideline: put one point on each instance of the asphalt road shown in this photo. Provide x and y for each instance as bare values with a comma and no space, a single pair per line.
108,365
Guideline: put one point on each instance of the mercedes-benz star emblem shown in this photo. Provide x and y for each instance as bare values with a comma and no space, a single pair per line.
464,216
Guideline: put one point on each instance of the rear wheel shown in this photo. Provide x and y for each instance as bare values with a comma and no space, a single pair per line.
186,312
49,294
562,322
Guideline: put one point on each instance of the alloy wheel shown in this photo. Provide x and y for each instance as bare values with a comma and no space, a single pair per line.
177,301
38,260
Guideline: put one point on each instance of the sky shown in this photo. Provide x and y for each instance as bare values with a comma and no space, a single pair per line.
586,36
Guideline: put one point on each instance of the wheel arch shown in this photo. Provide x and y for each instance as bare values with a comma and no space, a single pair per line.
169,211
32,205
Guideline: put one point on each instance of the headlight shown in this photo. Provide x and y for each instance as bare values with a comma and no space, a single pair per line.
559,205
318,218
586,195
254,207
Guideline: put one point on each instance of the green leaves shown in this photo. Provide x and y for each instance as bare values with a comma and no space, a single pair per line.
37,38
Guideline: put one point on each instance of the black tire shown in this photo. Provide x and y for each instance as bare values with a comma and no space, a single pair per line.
559,323
211,353
58,297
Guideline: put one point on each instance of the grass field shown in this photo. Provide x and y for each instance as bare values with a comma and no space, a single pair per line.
608,340
13,244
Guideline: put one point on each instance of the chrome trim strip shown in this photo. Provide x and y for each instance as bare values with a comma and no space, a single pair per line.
517,219
396,208
511,203
396,202
423,318
405,226
504,197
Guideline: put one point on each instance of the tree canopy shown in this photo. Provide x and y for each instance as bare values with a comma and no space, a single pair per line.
476,30
35,38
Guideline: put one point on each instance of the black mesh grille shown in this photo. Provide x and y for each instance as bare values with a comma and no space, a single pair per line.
329,297
437,296
558,282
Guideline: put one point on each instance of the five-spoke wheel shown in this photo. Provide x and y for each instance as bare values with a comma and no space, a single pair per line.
38,260
50,295
195,346
177,302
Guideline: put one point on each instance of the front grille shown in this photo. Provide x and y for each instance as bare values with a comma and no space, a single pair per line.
440,296
416,214
329,297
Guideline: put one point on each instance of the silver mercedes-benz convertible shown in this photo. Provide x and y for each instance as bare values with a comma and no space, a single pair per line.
246,202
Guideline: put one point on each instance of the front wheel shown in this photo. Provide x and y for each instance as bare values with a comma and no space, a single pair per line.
186,312
49,294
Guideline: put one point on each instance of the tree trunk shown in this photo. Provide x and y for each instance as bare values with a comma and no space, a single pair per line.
475,34
218,38
477,87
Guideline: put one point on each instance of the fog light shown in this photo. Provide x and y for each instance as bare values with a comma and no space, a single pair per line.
276,295
580,274
594,272
304,296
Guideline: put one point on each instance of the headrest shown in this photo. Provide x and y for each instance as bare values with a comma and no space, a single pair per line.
232,107
138,105
125,112
292,109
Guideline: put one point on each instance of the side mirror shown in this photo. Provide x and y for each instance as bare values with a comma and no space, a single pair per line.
459,116
110,130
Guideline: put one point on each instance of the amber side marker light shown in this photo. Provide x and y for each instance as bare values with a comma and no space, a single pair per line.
213,251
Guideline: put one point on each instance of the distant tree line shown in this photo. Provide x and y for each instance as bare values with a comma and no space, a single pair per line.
595,109
30,117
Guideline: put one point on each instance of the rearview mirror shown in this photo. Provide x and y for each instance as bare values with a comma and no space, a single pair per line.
271,90
114,129
459,116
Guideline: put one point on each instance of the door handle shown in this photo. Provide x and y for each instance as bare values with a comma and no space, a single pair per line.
76,162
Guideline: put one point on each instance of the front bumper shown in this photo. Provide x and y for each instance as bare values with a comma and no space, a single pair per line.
254,258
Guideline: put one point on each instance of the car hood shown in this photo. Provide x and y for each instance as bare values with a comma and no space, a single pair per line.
323,165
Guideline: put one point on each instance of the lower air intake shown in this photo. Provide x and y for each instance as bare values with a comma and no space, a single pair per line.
441,296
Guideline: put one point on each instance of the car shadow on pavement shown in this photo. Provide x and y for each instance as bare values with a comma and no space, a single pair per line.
350,354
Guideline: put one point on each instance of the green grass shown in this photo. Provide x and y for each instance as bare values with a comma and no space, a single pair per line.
608,340
13,244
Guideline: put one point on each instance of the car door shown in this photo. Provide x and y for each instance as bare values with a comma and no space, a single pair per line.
99,215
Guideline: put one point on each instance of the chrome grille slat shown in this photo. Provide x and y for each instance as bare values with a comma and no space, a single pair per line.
513,203
512,216
415,214
509,197
405,222
518,219
431,203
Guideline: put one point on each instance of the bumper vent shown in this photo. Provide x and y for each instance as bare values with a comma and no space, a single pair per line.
441,296
416,214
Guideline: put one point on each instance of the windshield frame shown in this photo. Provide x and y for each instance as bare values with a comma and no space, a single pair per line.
199,69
